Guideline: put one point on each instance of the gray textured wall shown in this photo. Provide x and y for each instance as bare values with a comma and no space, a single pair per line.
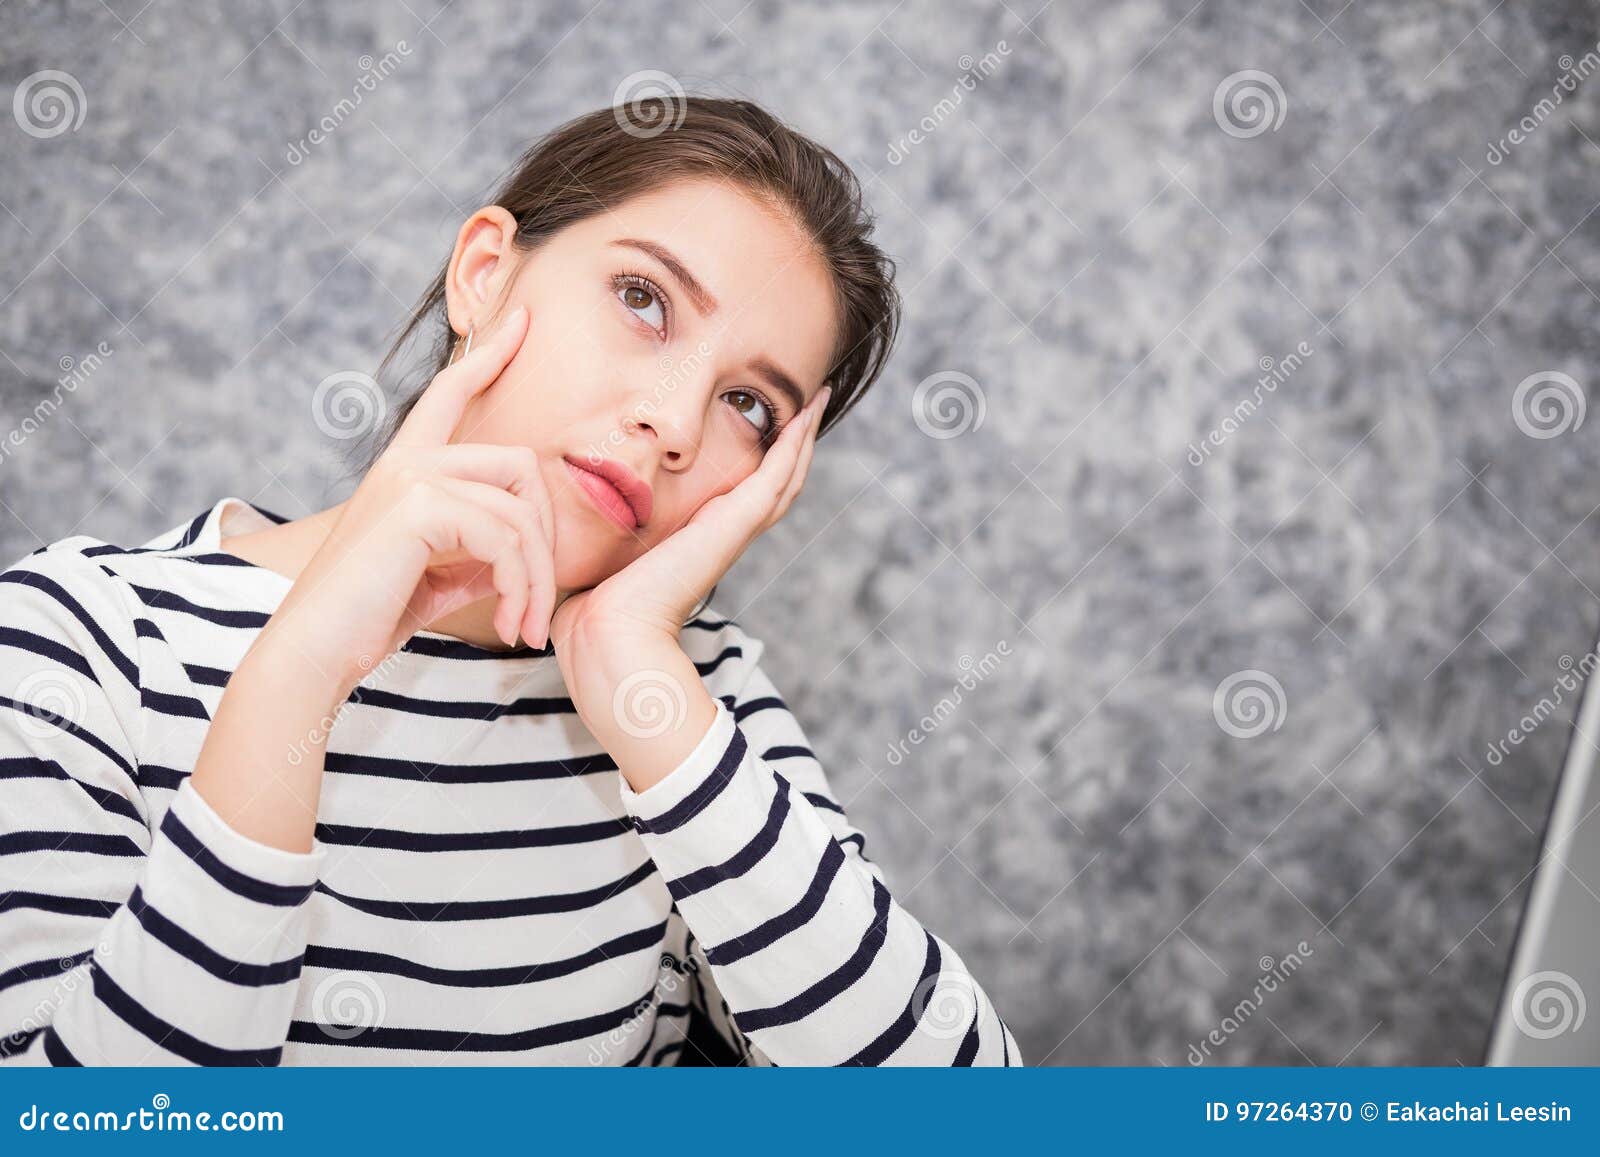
1108,255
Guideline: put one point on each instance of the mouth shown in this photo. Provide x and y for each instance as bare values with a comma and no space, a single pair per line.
615,490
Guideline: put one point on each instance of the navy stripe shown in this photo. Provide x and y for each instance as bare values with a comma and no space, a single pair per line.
56,1052
42,969
427,910
170,1036
809,1001
771,931
206,676
178,706
667,1050
792,751
358,960
34,711
637,1059
442,648
711,665
90,843
49,586
449,709
969,1043
750,706
193,949
144,628
17,1043
47,648
195,527
696,801
906,1023
473,841
27,767
817,798
351,763
707,624
378,1036
154,775
278,895
61,905
160,600
746,857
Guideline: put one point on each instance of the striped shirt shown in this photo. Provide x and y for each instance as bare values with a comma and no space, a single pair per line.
483,886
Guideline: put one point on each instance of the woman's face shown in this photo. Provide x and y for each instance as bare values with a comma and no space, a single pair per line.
659,336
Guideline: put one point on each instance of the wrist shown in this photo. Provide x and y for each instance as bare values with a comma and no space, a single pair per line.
642,697
304,664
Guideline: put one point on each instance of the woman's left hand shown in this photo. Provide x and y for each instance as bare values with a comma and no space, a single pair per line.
653,595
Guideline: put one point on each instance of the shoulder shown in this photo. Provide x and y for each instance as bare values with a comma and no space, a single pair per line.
69,637
67,580
84,591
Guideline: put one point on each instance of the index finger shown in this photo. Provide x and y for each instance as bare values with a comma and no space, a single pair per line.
437,413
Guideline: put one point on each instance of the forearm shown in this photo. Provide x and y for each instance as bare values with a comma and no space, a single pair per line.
817,961
260,767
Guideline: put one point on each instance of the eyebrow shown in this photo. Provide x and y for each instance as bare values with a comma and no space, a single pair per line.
705,303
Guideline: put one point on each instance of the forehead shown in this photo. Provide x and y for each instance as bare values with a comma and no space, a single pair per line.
774,294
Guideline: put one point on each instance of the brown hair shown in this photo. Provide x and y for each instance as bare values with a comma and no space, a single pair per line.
595,161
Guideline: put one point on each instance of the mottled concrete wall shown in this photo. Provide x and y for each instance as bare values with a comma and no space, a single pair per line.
1111,254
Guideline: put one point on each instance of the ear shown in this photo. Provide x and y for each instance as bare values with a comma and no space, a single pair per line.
476,276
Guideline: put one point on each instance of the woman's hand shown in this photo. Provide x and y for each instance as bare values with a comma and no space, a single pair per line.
432,527
631,682
654,594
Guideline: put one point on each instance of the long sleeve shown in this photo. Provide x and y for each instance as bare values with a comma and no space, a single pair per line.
124,939
811,960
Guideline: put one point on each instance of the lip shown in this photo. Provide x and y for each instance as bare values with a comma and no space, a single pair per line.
619,493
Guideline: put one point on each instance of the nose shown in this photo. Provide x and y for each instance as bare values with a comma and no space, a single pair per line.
674,419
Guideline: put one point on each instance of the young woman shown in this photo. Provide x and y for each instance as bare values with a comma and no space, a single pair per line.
463,769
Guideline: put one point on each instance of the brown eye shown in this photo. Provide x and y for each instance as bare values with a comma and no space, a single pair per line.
639,298
759,407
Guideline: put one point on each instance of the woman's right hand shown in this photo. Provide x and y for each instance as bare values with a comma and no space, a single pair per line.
433,526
